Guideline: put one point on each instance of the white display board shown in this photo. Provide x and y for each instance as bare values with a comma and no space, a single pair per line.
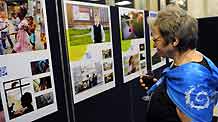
89,41
156,61
26,74
133,46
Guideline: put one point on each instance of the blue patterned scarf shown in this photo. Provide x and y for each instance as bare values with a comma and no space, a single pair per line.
191,87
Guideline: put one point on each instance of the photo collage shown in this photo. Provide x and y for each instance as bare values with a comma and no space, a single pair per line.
26,73
88,30
26,95
132,42
108,65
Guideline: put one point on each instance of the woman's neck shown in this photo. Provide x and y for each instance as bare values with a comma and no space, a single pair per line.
183,57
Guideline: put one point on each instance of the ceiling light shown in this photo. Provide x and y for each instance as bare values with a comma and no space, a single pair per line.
94,0
122,3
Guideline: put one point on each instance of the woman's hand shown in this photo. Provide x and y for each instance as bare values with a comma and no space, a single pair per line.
146,81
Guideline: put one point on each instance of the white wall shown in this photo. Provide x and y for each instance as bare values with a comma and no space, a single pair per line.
212,7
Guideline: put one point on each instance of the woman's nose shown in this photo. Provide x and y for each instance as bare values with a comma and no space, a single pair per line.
154,45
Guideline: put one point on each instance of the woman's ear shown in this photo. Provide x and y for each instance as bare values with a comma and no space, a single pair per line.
175,42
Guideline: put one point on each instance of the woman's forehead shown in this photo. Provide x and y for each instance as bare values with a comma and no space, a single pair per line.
155,31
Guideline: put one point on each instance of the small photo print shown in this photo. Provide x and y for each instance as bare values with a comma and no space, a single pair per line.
143,65
106,53
18,97
108,77
42,84
142,47
107,65
142,56
44,100
40,66
87,76
131,64
3,71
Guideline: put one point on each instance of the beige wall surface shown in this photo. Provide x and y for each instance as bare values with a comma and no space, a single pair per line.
196,8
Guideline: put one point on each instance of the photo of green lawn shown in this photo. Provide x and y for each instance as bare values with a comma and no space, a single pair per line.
87,25
83,36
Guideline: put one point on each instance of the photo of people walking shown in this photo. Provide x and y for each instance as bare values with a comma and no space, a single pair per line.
21,26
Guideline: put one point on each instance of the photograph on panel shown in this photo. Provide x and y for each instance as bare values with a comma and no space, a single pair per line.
142,56
143,65
132,25
106,53
40,66
108,77
41,84
22,26
18,95
88,32
87,76
131,64
87,24
142,47
107,65
44,100
2,115
3,71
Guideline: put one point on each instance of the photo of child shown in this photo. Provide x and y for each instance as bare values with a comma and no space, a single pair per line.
21,26
131,64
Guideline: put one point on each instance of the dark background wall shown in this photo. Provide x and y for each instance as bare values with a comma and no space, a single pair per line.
208,37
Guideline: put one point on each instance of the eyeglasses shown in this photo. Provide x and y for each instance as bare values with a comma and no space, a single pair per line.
156,39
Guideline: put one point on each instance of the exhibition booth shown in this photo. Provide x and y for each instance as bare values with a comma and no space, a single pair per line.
70,61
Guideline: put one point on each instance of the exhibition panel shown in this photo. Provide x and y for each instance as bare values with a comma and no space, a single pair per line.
90,52
133,46
27,79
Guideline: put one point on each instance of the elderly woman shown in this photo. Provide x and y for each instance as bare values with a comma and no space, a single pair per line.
186,90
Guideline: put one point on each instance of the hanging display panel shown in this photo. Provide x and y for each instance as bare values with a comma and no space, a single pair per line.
89,41
26,73
156,61
133,45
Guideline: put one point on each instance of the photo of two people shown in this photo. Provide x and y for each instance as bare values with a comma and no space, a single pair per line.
87,24
18,97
